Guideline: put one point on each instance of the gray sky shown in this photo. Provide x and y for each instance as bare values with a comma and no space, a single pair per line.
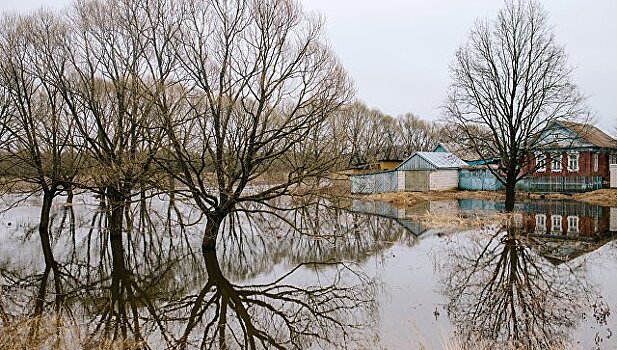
398,51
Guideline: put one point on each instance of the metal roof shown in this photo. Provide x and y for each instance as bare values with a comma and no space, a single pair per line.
440,160
591,134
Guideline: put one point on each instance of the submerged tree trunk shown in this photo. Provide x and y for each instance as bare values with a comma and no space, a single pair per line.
117,288
510,191
116,207
48,197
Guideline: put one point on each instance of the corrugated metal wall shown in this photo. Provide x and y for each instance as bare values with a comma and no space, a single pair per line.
478,180
386,181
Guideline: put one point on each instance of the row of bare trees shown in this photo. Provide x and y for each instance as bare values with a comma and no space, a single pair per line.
214,95
370,135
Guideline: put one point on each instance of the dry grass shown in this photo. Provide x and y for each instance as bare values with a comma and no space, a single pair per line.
461,221
409,199
606,197
53,332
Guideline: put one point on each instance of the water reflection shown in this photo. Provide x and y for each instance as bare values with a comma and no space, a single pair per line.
145,289
276,314
308,278
503,293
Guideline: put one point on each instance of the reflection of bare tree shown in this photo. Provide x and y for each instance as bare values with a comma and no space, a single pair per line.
501,292
148,290
252,240
279,314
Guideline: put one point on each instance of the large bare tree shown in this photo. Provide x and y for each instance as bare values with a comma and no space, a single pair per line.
509,83
259,86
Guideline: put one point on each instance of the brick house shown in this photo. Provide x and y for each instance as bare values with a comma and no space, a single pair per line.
571,157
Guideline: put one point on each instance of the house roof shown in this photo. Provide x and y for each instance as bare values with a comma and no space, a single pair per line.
590,134
460,151
440,160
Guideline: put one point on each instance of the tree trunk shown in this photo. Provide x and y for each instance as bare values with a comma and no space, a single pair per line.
510,191
48,197
212,229
116,204
118,276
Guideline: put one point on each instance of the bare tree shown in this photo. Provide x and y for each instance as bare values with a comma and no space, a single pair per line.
105,78
259,87
509,83
417,134
41,148
370,134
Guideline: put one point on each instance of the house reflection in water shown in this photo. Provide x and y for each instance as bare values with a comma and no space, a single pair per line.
560,230
563,230
564,219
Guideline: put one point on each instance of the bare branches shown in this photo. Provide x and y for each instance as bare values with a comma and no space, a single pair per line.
511,81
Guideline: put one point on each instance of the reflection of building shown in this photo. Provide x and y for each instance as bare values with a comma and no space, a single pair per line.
563,230
564,219
559,230
388,211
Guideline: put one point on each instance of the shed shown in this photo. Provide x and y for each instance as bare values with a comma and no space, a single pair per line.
430,171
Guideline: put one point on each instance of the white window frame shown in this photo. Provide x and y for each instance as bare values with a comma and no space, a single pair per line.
541,222
596,160
573,157
540,158
518,220
556,158
556,221
573,221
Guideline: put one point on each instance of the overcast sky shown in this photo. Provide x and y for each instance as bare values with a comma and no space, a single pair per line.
398,51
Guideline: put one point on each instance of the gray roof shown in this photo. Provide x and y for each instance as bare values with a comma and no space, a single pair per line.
440,160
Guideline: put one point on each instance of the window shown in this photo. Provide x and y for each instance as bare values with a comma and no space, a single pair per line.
613,159
572,224
573,162
518,220
556,162
595,162
556,223
540,162
541,222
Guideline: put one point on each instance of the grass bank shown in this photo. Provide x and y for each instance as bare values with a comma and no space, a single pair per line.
606,197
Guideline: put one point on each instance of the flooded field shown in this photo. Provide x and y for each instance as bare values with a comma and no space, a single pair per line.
363,276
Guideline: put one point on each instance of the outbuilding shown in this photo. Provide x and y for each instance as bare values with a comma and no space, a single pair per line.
422,171
430,171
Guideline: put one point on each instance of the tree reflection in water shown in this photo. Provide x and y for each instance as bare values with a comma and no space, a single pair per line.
278,314
501,294
145,289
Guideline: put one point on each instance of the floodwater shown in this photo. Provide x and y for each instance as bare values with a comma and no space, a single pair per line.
362,276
